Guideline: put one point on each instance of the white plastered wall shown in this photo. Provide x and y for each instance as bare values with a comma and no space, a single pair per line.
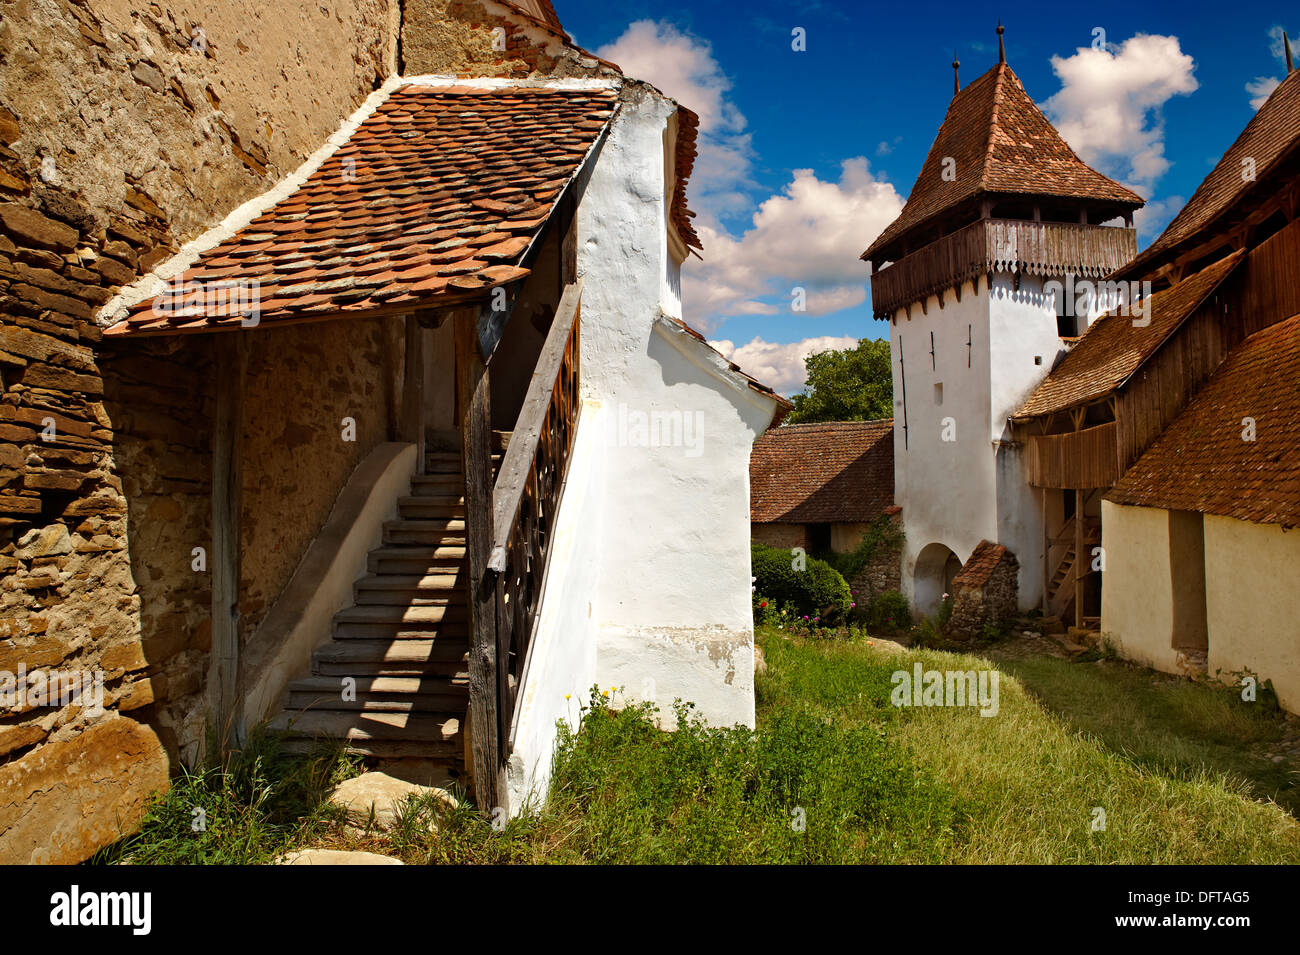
1137,597
1252,603
960,492
674,618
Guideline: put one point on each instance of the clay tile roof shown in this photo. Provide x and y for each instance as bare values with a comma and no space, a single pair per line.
784,405
840,471
979,567
436,195
1113,348
688,125
1201,462
1001,143
1271,135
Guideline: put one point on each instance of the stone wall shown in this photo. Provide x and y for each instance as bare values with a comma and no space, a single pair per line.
779,535
125,130
483,38
302,382
985,591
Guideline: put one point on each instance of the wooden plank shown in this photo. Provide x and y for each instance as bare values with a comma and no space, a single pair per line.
411,415
227,441
472,385
1079,562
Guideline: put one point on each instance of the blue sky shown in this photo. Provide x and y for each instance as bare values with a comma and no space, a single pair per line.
807,155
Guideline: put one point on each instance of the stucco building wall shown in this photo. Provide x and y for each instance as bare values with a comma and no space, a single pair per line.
1252,605
675,617
1137,597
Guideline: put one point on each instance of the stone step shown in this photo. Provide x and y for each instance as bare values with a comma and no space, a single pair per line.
455,670
409,618
438,482
412,651
381,694
415,560
445,753
447,533
429,507
439,590
402,727
442,462
455,627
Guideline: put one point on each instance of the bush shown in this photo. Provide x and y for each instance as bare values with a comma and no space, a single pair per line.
889,612
816,590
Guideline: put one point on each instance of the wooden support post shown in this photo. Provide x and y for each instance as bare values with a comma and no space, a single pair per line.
411,428
227,439
1078,557
1047,549
473,402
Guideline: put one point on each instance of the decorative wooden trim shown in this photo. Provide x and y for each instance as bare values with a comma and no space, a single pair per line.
987,246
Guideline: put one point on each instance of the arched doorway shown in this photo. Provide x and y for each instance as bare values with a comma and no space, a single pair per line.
936,566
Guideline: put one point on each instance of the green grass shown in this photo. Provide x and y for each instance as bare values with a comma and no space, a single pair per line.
834,773
261,803
1166,724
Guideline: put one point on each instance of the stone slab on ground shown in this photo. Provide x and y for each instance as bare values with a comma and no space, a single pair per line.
62,801
381,794
336,857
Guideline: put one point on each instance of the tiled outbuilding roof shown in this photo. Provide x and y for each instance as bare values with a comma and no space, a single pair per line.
1203,462
438,193
979,567
1271,135
996,141
1113,347
828,472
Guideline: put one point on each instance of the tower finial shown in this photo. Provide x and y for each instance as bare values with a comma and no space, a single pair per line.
1286,46
956,83
1002,50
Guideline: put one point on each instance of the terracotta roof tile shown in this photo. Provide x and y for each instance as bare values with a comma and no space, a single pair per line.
1000,143
840,471
1113,347
440,190
1271,135
783,404
1202,463
979,567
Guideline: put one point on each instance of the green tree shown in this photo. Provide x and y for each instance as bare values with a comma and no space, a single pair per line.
851,385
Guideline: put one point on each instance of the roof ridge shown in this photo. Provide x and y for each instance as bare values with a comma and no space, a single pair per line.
993,124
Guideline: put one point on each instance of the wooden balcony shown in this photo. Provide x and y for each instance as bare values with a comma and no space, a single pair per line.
992,245
1075,459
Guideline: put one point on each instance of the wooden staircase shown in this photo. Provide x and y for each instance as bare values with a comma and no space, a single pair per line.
393,680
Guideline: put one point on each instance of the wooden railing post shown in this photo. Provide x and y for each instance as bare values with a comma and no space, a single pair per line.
476,443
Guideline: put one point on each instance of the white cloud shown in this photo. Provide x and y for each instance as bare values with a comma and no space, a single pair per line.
808,236
780,366
683,67
1261,86
1109,106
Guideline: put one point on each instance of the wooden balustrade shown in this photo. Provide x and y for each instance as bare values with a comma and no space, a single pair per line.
991,245
525,501
1074,459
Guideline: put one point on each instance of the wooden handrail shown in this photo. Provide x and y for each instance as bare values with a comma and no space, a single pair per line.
507,494
525,501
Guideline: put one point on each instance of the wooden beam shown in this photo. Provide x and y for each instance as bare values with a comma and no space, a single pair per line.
1078,557
227,441
1047,547
474,406
411,414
